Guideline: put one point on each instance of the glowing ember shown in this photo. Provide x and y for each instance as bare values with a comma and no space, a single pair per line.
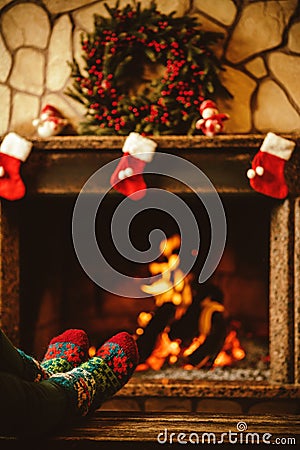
165,350
92,351
144,318
194,345
231,352
170,352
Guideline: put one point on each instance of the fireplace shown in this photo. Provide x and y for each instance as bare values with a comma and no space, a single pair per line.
45,290
56,293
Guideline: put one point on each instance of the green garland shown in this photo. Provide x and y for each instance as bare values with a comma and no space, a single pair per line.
116,55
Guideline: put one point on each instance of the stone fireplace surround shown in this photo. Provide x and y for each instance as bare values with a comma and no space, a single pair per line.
61,165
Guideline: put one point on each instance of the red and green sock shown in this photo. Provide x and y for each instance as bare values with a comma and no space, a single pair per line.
99,378
66,351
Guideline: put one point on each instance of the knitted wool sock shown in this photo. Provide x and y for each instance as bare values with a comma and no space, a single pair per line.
64,352
98,379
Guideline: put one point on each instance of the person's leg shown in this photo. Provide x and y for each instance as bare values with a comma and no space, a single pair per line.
28,408
66,351
17,362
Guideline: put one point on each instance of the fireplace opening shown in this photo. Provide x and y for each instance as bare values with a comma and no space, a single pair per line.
57,294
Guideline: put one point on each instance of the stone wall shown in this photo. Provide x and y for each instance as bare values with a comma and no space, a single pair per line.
260,52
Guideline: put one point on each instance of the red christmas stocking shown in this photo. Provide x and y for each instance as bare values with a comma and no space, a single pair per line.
14,150
128,175
267,172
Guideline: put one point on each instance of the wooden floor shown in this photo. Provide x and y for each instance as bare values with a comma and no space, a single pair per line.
144,431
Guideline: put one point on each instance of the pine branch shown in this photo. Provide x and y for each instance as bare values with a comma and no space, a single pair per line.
117,51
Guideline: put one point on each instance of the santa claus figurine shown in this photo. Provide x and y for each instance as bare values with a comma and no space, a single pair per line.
212,121
50,123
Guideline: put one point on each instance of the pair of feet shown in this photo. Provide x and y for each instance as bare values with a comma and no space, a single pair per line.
88,382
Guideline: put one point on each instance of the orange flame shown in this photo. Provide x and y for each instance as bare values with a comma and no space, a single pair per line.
231,352
174,287
169,351
164,350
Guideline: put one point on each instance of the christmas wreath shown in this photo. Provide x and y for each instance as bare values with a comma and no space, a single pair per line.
118,54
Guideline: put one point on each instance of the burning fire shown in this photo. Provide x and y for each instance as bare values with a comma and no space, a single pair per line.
173,287
170,352
165,350
231,352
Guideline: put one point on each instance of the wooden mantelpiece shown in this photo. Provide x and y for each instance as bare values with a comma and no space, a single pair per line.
61,165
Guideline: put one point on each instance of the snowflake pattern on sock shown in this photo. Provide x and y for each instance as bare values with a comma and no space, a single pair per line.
116,358
99,378
66,351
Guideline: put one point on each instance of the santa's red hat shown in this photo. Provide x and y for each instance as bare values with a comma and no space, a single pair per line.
50,110
207,104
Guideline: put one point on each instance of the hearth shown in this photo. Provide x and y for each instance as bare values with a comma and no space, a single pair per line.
44,288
